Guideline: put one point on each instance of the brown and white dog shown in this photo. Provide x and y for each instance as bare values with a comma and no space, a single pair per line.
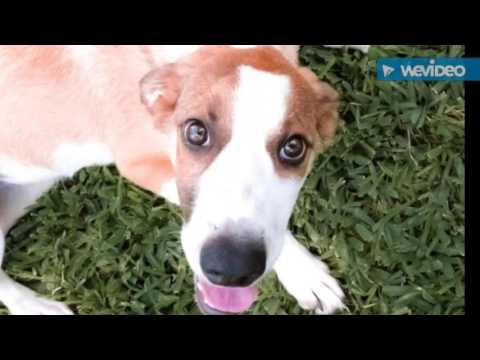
227,132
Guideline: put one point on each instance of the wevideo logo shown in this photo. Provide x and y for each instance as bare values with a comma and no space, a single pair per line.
428,69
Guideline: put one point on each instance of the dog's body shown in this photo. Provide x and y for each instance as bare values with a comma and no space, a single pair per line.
64,108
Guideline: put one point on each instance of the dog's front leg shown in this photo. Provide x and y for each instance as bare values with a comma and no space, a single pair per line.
20,300
308,279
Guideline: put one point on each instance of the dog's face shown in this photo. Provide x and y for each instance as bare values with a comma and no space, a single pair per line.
249,124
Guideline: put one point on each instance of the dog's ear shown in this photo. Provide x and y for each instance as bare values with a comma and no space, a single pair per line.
160,90
327,107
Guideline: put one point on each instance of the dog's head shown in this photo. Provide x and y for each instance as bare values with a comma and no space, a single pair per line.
249,124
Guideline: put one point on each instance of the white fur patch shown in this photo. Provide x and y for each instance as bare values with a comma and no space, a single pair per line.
70,158
170,192
242,183
171,53
152,97
84,55
22,301
14,172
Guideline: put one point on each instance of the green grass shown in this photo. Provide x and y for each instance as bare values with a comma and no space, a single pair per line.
384,208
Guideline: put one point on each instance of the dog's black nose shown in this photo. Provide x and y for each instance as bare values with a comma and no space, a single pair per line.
233,263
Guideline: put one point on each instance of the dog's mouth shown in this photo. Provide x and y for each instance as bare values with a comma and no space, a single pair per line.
217,300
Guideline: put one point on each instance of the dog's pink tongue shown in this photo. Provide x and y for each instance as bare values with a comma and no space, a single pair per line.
229,300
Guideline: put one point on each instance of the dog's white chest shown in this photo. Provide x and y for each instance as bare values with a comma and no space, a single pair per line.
14,172
67,160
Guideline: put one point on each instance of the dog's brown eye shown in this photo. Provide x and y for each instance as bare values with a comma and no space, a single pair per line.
196,133
293,150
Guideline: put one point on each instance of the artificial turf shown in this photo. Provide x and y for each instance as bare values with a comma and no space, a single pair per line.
384,208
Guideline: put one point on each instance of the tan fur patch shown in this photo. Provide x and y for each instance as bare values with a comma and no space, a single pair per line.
49,62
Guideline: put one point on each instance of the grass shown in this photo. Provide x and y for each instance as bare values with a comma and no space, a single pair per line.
384,208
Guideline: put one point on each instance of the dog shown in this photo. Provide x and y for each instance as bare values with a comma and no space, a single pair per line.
228,133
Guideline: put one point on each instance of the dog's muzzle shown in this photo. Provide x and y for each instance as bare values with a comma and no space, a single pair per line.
232,260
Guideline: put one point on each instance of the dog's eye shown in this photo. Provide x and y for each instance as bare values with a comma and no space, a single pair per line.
196,133
293,150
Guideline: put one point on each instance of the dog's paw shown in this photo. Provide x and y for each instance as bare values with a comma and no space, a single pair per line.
34,305
308,280
319,291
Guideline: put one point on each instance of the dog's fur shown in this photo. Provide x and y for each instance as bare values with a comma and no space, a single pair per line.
64,108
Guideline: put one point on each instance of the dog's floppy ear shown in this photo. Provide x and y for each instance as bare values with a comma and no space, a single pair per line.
327,107
160,90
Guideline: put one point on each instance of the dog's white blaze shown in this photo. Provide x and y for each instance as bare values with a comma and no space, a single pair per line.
70,158
242,183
